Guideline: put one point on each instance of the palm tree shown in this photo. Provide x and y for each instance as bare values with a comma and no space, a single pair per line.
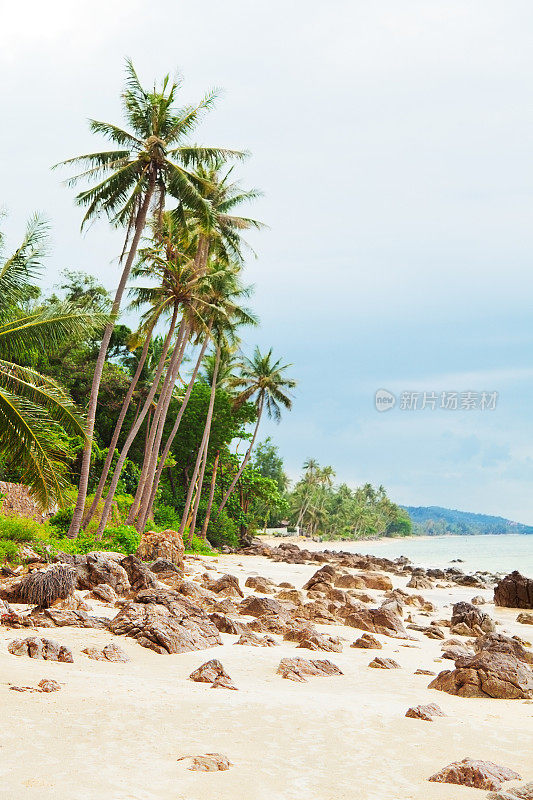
264,379
35,411
146,162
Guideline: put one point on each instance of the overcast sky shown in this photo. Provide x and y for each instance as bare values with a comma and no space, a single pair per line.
393,142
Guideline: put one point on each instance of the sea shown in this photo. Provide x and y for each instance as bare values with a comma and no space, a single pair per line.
495,554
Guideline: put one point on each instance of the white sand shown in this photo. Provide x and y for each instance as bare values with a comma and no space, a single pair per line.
115,731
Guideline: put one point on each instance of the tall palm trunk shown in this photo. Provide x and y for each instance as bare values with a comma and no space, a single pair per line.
140,222
245,459
196,504
203,532
203,444
157,429
118,427
135,428
157,477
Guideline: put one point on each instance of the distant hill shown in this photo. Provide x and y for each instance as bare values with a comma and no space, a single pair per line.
437,521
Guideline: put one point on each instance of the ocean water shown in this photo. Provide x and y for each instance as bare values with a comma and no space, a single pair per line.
491,553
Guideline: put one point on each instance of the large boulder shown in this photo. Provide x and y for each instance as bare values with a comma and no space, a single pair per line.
377,620
139,574
40,648
166,622
469,619
487,674
227,585
101,568
514,591
165,544
499,643
254,606
475,773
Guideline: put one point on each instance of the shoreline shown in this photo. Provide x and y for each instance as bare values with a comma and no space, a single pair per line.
327,738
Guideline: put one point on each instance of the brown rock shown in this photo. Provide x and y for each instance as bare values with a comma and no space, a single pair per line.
524,792
140,575
48,685
227,625
36,647
210,762
111,652
261,606
253,640
105,592
384,663
321,641
100,568
376,580
350,582
472,772
478,600
324,575
228,585
514,591
377,620
525,619
498,643
424,672
420,582
487,674
367,642
426,712
167,545
477,622
261,585
59,618
214,673
299,669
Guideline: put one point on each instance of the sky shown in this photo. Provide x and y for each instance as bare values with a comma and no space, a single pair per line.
392,141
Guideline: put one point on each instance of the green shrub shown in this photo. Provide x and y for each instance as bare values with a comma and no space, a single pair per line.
62,519
200,546
22,529
121,539
8,552
166,517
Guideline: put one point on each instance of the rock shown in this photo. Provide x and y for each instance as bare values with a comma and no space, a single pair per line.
425,712
36,647
431,631
514,591
477,622
167,545
105,592
321,641
210,762
487,674
164,565
59,618
472,772
525,619
424,672
376,580
377,620
293,595
165,622
384,663
227,625
498,643
324,575
299,669
228,585
111,652
367,642
478,600
455,652
214,673
524,792
100,568
420,582
260,606
140,575
48,685
253,640
350,582
259,584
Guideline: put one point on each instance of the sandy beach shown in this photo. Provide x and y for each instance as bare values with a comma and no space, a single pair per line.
116,731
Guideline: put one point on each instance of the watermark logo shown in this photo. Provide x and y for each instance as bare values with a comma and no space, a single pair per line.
432,401
384,400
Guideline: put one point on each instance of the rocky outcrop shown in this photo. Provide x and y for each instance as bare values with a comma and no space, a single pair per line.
384,663
37,647
514,591
367,642
299,669
472,772
470,620
166,622
167,545
377,620
254,606
214,673
426,712
111,652
96,568
260,584
62,618
139,574
227,585
499,643
104,592
487,674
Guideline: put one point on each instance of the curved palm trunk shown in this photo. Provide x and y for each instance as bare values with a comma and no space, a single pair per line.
192,526
156,431
244,461
135,428
140,222
118,427
168,445
203,445
203,532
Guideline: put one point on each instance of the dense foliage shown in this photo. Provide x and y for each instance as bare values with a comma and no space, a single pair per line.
437,521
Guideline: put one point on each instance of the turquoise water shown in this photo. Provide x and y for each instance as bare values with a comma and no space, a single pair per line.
491,553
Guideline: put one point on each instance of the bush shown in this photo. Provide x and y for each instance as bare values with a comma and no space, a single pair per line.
22,529
166,517
122,539
8,552
200,546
